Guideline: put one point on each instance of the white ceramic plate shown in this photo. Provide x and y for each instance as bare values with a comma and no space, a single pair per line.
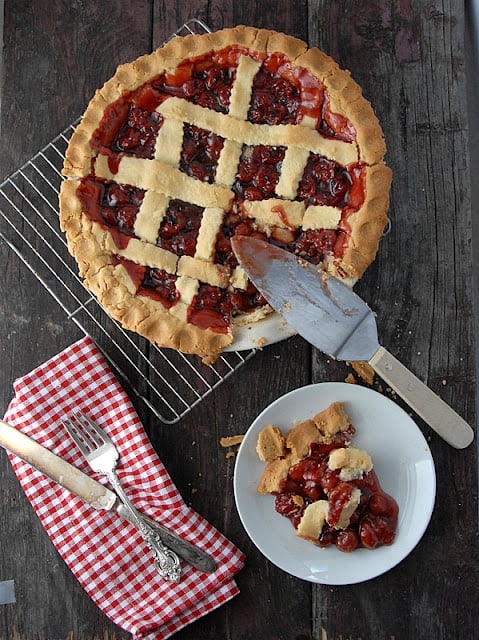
402,461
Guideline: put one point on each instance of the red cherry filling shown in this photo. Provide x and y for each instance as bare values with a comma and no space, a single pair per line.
334,125
324,182
315,244
156,284
206,81
339,497
200,153
258,172
288,505
160,285
374,521
213,307
234,224
274,100
112,205
138,133
179,228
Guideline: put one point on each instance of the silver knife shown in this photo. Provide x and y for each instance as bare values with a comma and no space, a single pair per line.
93,492
337,321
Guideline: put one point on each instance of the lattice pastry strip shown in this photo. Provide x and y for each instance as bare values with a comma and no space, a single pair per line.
150,215
243,132
163,178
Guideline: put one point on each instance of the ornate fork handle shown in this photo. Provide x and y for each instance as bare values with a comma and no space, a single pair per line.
166,561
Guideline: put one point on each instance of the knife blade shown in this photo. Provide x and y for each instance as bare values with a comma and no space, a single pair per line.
329,315
92,492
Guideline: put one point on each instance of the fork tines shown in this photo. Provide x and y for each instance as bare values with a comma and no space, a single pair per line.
84,432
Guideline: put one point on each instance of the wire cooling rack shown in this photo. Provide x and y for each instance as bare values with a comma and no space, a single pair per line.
169,383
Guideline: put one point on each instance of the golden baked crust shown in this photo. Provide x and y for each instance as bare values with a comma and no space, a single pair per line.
274,473
313,520
300,437
356,147
332,420
270,444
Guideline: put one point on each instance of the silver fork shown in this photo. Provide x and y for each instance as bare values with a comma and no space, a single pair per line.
102,456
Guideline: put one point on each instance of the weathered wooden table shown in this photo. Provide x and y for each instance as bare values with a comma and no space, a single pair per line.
409,58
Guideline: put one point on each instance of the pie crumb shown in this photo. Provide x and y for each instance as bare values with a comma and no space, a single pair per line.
270,444
231,441
364,371
332,420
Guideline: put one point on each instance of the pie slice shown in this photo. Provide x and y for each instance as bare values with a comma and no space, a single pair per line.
325,486
243,131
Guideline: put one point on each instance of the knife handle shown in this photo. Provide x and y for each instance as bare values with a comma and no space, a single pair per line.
427,404
55,467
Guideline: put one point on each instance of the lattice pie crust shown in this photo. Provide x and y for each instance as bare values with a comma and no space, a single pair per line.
138,132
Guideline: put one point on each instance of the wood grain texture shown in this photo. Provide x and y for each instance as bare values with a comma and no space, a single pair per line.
408,57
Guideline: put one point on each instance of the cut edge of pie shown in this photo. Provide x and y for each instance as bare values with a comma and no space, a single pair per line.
93,245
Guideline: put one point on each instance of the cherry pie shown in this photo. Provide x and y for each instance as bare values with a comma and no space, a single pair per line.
242,131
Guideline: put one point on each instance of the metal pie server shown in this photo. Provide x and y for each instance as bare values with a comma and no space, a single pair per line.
93,492
337,321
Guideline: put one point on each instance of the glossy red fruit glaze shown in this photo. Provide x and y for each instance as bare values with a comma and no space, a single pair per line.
156,284
324,182
299,91
126,128
112,205
234,225
243,301
210,309
334,125
315,244
205,80
213,307
200,152
304,479
274,100
138,135
258,172
288,505
179,228
339,497
113,119
346,540
160,285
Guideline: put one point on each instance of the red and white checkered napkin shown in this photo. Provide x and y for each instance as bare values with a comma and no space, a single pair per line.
107,554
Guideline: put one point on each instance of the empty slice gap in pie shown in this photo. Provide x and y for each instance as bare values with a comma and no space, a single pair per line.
239,132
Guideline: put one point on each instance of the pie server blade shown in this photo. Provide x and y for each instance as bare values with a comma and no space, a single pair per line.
330,316
92,492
